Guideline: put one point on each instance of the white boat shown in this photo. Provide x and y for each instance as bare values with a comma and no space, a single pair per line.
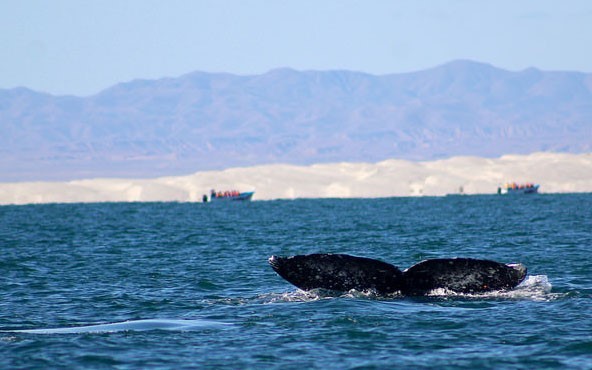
231,195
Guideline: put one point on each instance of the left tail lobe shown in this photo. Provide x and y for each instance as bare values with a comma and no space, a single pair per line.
340,272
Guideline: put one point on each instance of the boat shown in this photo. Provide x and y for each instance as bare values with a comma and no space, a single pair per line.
231,195
514,188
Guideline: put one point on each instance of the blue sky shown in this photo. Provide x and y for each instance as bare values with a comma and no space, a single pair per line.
80,47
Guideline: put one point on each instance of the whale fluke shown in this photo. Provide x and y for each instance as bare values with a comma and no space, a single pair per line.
340,272
343,272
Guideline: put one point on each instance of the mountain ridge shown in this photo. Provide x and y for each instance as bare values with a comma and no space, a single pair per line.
204,121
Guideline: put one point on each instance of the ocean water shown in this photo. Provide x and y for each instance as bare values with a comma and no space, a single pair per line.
179,285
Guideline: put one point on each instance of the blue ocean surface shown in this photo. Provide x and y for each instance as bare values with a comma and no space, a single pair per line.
181,285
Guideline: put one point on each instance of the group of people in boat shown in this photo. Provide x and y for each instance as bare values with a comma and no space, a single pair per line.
515,186
224,194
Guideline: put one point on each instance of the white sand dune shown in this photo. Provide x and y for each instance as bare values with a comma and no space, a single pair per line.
555,172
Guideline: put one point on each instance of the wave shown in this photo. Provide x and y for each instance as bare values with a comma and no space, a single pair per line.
132,325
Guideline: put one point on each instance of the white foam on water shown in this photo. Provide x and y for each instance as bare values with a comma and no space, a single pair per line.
315,295
536,287
298,296
132,325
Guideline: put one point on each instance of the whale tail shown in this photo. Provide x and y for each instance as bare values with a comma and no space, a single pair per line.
343,272
340,272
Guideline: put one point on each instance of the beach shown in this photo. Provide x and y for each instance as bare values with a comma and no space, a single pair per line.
554,172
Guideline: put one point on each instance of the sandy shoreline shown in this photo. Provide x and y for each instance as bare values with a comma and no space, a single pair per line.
555,172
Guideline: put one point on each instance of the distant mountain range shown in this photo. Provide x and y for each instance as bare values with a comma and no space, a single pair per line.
201,121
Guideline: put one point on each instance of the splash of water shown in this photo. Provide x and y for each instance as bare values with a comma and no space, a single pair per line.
535,287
